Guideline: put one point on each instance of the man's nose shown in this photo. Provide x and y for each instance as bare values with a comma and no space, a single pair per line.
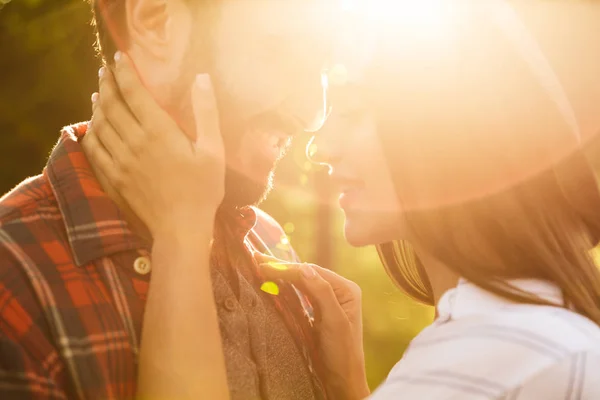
308,102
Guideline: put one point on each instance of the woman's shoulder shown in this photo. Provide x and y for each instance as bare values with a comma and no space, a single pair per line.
560,330
508,376
575,376
490,355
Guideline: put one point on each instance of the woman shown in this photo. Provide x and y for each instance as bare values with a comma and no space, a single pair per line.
480,131
468,146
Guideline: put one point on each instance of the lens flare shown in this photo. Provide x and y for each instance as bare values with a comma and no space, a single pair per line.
423,17
270,288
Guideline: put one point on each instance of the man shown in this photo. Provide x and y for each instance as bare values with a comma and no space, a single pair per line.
74,261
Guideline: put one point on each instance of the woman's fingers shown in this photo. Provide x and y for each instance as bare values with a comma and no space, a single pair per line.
134,114
336,281
117,112
103,131
205,109
99,157
152,118
308,279
208,140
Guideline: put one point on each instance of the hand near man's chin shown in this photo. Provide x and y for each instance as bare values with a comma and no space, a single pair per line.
174,186
146,157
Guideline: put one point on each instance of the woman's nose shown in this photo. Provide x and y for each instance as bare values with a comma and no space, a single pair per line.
323,148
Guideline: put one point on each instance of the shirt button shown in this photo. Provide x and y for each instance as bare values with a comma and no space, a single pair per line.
142,265
230,304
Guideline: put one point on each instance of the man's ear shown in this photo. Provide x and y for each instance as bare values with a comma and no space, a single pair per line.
158,33
149,26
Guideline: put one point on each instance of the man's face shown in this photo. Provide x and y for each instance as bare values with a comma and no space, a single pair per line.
266,62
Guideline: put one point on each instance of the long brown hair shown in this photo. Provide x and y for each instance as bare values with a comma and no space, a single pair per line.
530,231
483,153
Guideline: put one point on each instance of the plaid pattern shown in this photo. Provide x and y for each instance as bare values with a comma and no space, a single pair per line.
70,302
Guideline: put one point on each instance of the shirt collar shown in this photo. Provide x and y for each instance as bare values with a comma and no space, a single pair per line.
94,224
468,299
241,220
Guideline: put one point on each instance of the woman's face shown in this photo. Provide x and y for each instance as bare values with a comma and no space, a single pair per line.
349,145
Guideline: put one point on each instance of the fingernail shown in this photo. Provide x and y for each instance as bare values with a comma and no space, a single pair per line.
101,72
270,288
95,97
203,82
117,56
308,271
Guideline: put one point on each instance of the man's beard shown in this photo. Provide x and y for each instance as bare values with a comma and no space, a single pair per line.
242,191
247,185
242,188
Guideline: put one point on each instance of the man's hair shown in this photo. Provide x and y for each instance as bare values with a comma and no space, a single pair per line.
108,19
109,22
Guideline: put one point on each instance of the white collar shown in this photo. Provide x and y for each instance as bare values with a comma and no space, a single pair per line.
469,299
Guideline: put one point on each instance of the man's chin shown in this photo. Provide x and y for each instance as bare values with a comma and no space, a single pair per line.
243,191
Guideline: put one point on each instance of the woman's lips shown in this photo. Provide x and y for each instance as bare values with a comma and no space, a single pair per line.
348,197
349,188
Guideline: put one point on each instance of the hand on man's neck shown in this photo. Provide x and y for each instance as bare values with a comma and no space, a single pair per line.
135,224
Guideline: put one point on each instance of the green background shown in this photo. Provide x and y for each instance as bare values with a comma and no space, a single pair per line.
47,74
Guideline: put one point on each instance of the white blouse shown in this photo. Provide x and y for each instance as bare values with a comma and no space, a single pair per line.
482,346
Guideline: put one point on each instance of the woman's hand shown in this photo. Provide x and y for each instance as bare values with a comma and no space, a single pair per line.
338,320
174,186
165,177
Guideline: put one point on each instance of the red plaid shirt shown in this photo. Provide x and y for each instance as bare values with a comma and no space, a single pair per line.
71,306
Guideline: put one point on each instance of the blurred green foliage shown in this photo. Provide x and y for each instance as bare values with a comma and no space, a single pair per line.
47,74
47,65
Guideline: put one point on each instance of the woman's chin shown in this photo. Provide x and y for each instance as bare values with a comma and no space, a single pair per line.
354,236
360,232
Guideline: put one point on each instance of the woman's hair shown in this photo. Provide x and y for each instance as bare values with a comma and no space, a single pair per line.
530,231
482,145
